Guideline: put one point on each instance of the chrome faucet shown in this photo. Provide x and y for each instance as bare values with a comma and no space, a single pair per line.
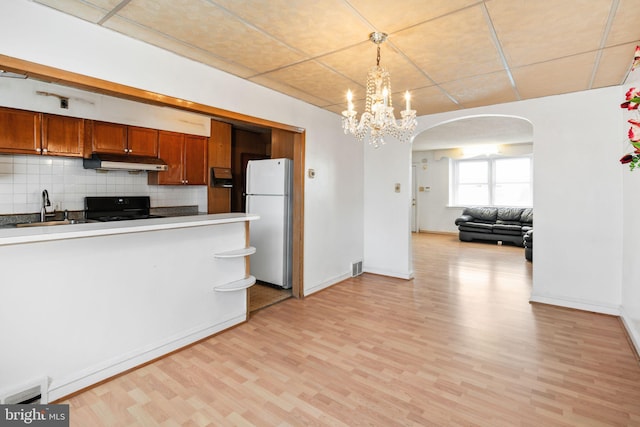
45,203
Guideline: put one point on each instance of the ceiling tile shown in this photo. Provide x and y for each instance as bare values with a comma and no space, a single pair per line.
554,77
93,10
158,39
283,87
405,13
443,51
210,28
540,30
314,79
625,26
313,27
355,62
448,50
487,89
614,65
431,100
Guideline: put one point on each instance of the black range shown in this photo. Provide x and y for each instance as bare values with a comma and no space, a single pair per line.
117,208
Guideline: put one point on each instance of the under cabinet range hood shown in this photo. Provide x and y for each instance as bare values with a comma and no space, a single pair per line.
128,163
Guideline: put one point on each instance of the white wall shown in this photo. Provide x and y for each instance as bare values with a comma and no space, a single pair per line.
333,200
577,195
387,213
631,227
432,173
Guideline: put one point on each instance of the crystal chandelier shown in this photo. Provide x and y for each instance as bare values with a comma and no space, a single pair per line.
378,116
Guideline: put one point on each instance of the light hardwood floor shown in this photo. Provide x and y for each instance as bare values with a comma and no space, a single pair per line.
458,345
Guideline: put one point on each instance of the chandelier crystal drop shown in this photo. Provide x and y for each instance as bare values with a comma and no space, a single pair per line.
378,118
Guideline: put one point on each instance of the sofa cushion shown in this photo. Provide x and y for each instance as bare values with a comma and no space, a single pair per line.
509,214
478,227
500,221
482,214
527,216
463,219
507,229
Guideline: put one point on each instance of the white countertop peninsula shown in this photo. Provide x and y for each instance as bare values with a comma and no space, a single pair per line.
83,302
11,236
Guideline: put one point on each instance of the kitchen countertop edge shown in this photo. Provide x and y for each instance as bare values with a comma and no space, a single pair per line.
15,236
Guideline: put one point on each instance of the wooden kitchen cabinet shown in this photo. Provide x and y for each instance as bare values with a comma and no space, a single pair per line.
20,131
122,139
29,132
142,141
186,157
108,138
195,159
62,136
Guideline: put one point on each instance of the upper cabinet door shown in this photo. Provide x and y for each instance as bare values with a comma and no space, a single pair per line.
142,141
19,131
62,136
195,154
170,149
109,138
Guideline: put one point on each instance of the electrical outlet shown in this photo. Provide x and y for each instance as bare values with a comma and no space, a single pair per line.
397,187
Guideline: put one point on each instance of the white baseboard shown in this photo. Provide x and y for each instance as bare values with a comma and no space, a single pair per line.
577,304
632,327
308,290
93,375
400,275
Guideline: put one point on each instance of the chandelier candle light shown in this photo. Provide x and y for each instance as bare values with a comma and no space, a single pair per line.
378,116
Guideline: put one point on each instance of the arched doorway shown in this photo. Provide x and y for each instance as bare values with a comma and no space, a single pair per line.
464,137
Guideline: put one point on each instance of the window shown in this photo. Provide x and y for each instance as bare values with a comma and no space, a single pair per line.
492,181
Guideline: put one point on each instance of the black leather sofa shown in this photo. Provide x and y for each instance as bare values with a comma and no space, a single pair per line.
495,224
528,245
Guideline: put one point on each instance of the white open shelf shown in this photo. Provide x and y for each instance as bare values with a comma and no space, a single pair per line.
236,253
237,285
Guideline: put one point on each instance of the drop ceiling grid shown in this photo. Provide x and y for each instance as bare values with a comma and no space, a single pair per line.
446,53
543,30
355,62
625,28
171,44
316,50
208,27
313,78
614,65
551,77
493,88
312,27
284,87
89,10
401,14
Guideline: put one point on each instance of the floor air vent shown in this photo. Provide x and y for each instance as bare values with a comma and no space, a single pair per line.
356,269
35,392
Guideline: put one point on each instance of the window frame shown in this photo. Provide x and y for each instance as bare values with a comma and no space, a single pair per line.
491,178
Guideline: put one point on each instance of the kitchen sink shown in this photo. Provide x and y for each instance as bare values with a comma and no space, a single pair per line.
44,223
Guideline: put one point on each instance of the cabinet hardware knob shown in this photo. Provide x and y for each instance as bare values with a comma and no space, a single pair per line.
38,150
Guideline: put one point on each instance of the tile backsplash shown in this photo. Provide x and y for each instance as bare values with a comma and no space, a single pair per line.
22,179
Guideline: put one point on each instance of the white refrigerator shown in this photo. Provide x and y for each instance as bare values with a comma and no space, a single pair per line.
269,192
